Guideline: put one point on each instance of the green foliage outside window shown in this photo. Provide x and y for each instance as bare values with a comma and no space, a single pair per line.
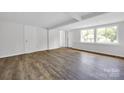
100,35
106,35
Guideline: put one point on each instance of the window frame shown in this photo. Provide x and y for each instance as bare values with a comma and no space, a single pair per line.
95,34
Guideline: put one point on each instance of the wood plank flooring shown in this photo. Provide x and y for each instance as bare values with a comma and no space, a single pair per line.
61,64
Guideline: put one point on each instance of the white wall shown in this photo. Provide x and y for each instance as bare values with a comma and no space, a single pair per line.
11,39
117,50
14,38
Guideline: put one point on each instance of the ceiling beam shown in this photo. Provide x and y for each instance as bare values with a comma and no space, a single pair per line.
93,14
77,18
74,16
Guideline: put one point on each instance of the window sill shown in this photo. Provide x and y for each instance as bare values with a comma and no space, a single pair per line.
115,44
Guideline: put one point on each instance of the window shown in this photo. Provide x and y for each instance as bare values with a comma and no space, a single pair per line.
87,35
106,35
100,35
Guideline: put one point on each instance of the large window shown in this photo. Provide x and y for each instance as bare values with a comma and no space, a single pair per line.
87,35
100,35
106,35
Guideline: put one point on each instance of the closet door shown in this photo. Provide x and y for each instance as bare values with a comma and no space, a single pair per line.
30,34
42,39
70,39
62,39
54,39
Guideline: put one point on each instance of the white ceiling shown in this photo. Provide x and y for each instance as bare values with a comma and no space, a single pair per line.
106,18
46,19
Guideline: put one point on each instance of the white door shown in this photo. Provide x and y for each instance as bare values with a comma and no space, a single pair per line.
62,39
42,39
70,39
30,34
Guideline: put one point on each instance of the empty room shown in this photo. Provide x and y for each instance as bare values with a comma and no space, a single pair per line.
61,45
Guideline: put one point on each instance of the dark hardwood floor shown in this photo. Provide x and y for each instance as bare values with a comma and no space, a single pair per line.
61,64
